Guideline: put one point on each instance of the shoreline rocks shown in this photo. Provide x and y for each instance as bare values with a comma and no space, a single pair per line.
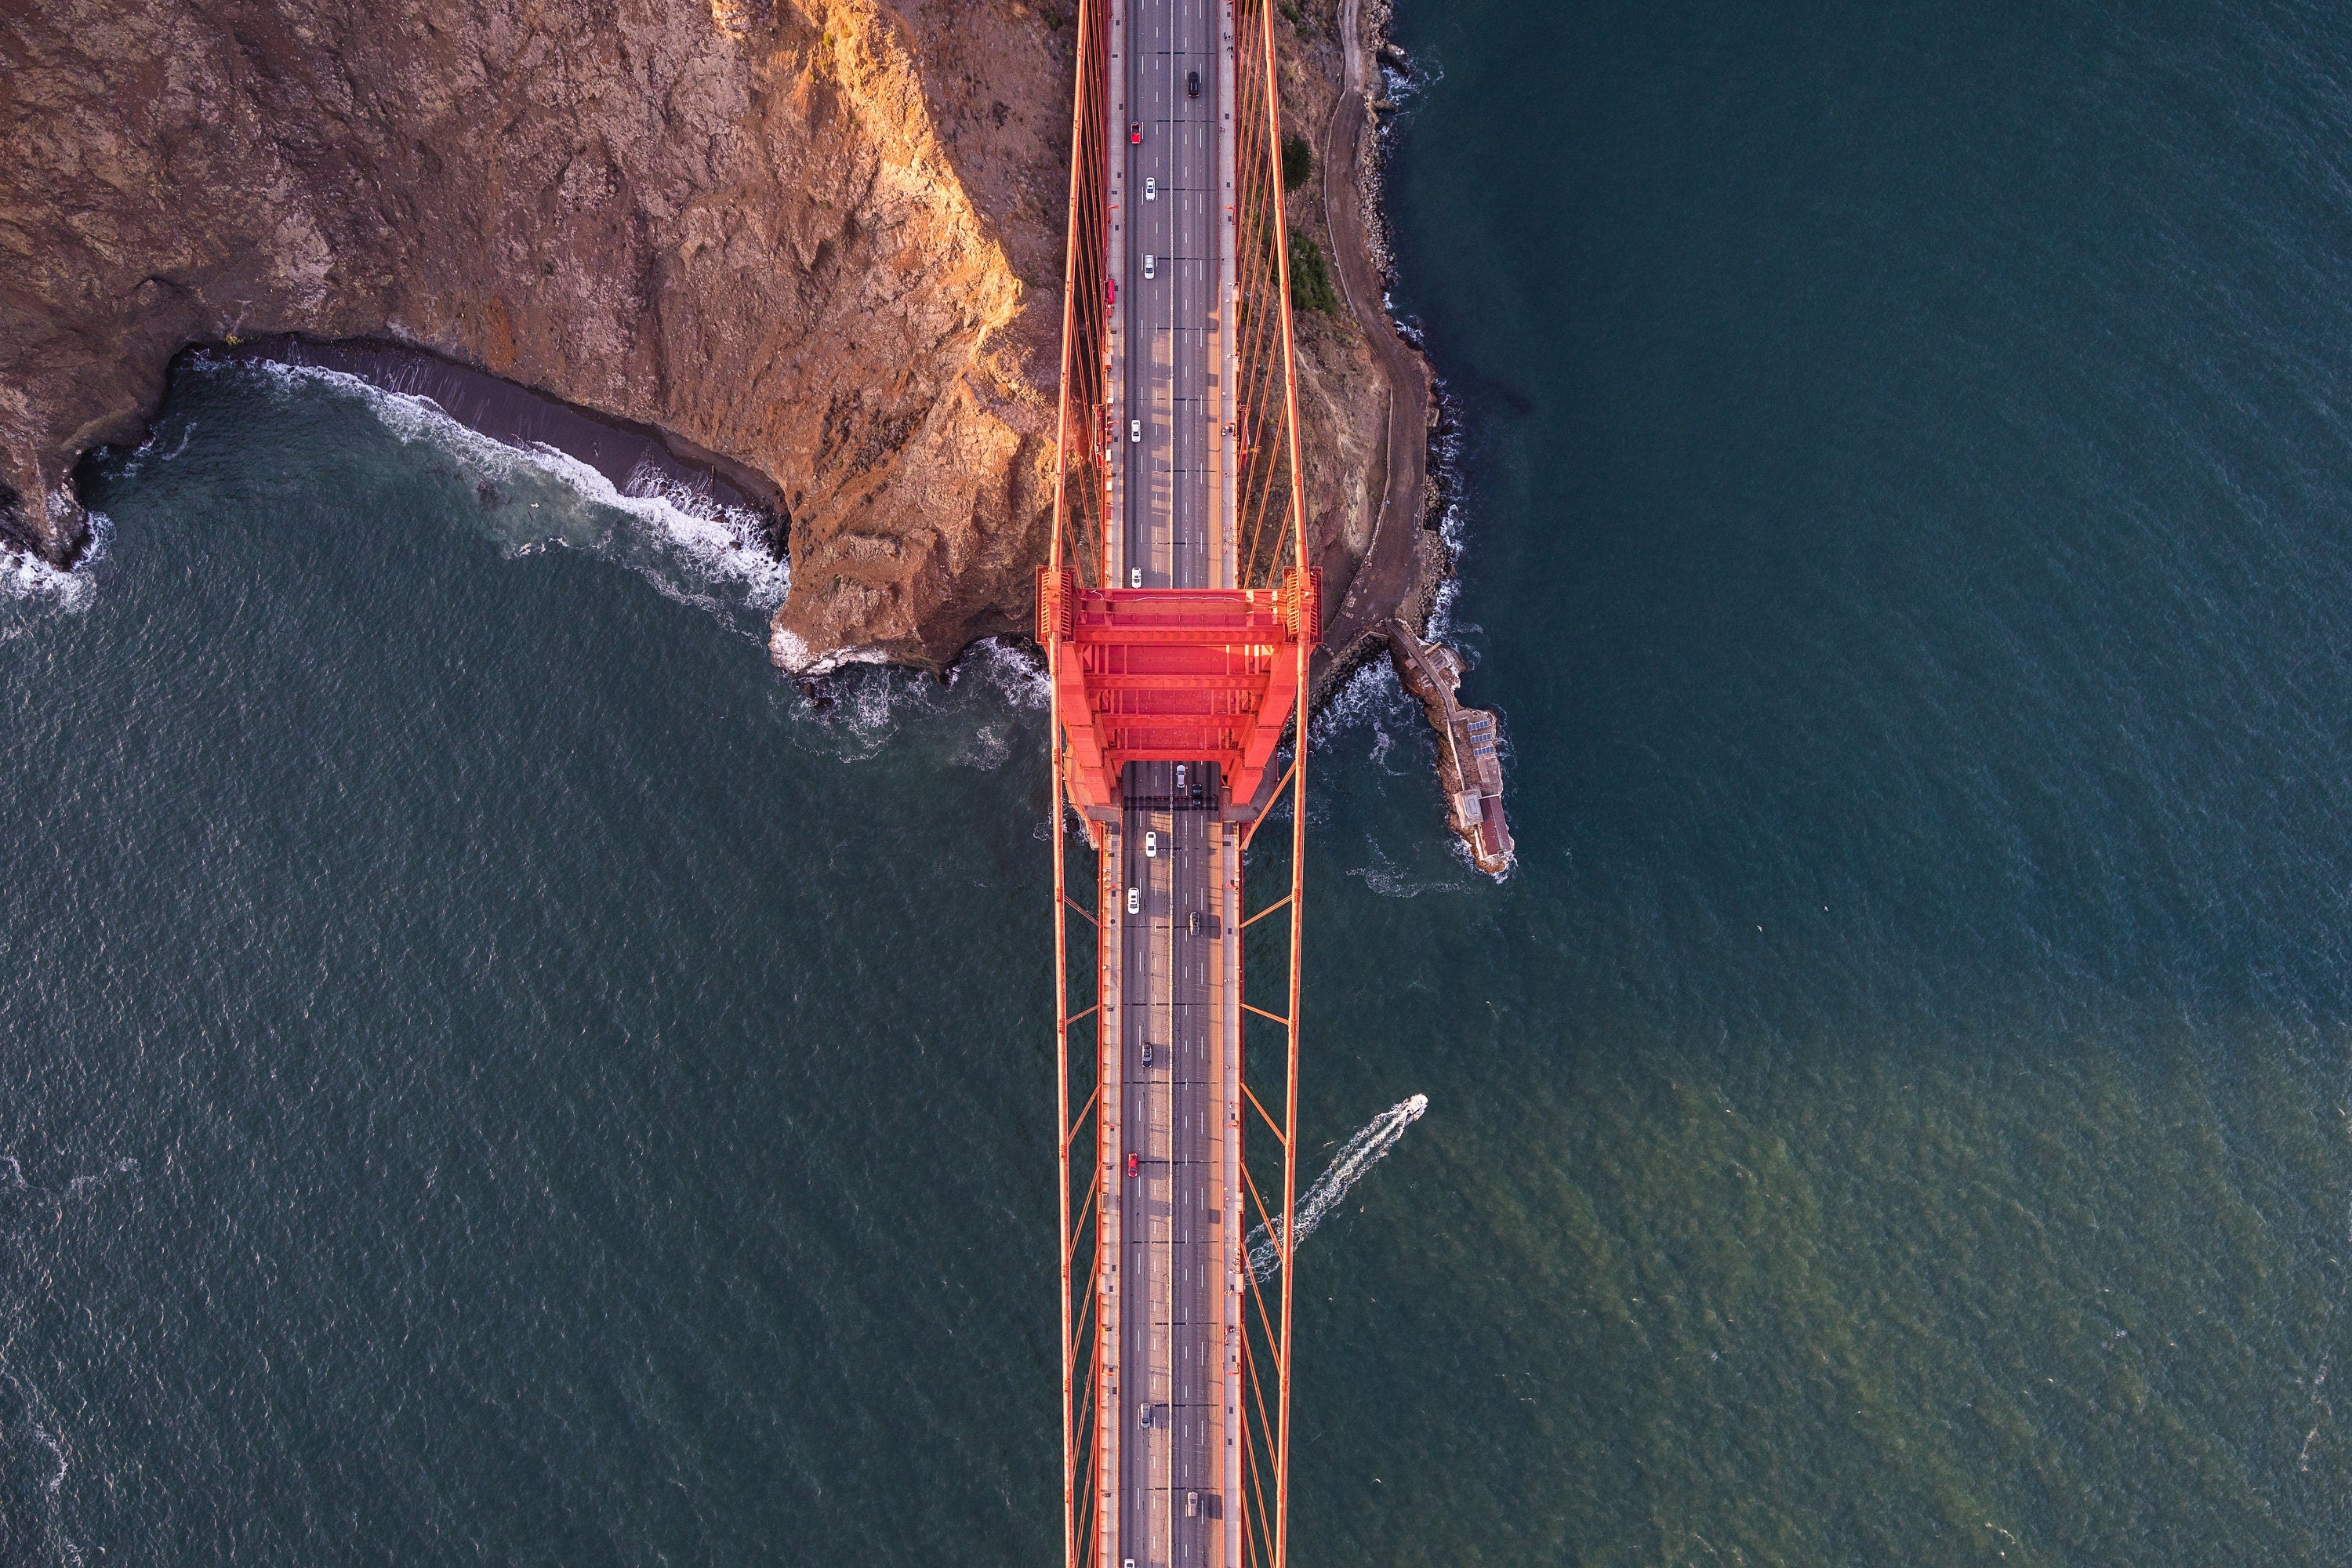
807,249
1409,559
809,240
1469,760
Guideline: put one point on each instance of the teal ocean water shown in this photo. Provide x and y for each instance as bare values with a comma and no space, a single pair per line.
493,1074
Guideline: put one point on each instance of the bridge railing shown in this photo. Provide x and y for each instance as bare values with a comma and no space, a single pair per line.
1270,527
1271,547
1084,432
1268,532
1080,521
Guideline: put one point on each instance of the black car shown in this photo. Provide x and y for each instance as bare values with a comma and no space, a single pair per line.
1192,84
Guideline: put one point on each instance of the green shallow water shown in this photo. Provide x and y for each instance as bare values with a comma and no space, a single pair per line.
495,1075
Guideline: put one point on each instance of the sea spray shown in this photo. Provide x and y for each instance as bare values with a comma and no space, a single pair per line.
692,548
856,713
32,591
1357,1155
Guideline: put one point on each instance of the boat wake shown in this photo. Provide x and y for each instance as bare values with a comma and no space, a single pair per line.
1357,1155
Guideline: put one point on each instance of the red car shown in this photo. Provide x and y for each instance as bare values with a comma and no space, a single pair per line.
1135,130
1134,1162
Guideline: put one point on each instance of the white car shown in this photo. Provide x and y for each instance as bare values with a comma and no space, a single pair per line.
1147,265
1151,846
1135,576
1135,429
1151,189
1135,900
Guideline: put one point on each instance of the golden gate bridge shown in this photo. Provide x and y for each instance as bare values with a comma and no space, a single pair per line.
1178,612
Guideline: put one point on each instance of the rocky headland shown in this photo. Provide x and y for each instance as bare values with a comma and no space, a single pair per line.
818,239
814,246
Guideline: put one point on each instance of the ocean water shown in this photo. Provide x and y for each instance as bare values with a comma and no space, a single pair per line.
493,1074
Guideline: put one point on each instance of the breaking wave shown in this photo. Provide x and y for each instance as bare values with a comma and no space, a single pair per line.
1402,87
32,591
1372,700
1448,449
1357,1156
692,548
857,710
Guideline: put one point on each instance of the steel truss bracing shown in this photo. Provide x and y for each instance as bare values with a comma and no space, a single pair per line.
1083,433
1213,675
1269,1168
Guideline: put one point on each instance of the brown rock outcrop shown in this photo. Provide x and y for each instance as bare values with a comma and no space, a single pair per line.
808,236
1469,754
818,239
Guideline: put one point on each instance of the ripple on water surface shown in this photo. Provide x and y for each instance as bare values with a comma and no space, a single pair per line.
587,1100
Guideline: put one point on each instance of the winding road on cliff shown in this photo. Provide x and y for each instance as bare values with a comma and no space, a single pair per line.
1385,580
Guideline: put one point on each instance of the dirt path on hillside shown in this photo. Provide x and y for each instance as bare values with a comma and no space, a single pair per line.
1388,582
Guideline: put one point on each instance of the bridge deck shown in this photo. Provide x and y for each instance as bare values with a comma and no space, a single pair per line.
1172,1233
1170,1389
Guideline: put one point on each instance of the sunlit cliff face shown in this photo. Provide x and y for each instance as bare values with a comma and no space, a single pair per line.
816,238
902,469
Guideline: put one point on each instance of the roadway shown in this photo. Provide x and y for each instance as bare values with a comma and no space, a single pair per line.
1172,1377
1386,576
1176,1236
1168,205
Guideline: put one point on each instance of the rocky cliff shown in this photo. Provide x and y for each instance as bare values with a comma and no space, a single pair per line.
818,238
818,241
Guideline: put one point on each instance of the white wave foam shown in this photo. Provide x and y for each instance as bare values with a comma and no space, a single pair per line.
30,1451
987,748
1425,69
147,451
726,542
1443,628
1357,1155
12,1180
1453,535
1389,881
1452,529
862,704
57,1476
32,591
1009,669
1010,674
854,710
706,553
1373,699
